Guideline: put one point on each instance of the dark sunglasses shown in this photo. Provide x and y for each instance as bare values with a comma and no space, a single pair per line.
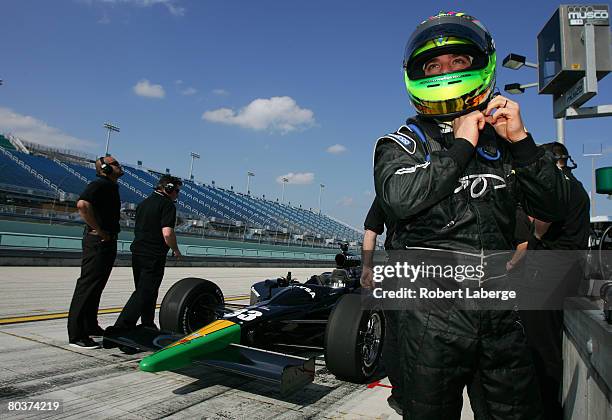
115,163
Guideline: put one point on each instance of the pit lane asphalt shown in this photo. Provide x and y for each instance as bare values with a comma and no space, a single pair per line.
36,362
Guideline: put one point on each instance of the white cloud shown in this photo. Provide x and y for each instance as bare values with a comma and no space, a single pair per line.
279,113
178,82
345,201
301,178
220,92
146,89
189,91
336,149
171,5
31,129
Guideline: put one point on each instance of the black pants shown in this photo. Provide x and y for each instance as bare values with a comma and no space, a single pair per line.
148,274
96,265
544,328
441,352
390,355
544,331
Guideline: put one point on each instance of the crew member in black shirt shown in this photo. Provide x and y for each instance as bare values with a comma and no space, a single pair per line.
374,225
377,220
556,257
153,237
572,233
99,206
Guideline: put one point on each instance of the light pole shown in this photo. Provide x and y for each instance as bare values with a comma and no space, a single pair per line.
321,186
593,156
110,127
517,88
194,155
249,175
515,62
285,180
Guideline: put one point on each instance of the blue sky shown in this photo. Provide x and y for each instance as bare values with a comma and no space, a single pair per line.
280,88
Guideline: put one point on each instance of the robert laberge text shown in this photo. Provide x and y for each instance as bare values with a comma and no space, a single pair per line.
424,293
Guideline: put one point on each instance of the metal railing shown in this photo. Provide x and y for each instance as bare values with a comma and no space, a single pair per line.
28,190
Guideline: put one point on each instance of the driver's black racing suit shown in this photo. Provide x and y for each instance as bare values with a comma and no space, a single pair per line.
448,195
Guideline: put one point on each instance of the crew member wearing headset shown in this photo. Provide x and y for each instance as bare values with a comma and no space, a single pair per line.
99,206
153,237
559,271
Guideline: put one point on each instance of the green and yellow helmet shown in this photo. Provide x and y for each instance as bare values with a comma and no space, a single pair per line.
452,94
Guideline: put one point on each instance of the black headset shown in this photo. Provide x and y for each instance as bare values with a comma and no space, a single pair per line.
574,165
556,157
170,186
105,168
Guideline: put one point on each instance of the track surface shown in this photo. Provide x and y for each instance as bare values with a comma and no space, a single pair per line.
37,364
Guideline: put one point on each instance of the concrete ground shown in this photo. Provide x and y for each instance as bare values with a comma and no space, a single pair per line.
37,364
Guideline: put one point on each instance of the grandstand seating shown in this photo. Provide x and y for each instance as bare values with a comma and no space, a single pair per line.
202,201
54,172
13,174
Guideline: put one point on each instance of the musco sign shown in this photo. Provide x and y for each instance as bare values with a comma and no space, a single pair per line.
582,14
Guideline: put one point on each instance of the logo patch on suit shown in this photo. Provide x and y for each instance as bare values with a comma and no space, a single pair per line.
406,142
478,184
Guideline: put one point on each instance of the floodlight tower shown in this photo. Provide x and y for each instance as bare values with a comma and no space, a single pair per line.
194,155
321,186
110,127
285,180
249,175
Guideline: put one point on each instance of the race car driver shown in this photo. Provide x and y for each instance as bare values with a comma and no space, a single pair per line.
450,177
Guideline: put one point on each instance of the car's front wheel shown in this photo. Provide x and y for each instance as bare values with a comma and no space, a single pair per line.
353,340
190,304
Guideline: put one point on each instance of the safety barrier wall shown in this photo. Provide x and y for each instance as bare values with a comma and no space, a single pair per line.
76,231
587,365
15,240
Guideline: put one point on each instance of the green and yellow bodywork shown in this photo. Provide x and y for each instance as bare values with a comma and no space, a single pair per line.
213,337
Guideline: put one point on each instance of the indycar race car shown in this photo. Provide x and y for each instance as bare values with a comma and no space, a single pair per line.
267,339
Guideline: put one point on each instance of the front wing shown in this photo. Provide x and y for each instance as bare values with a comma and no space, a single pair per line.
217,346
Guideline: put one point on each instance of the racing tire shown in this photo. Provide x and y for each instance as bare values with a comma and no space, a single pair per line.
190,304
353,340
